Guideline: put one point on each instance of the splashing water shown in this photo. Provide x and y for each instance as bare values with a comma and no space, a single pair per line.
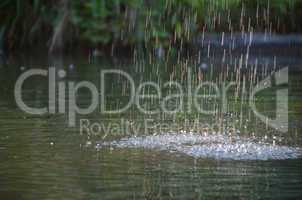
216,146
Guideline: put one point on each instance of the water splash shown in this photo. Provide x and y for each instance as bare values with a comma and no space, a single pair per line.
215,146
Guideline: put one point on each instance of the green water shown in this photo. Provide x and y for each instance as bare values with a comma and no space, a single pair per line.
42,158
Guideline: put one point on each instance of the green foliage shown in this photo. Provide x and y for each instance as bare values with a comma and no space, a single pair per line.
23,21
147,22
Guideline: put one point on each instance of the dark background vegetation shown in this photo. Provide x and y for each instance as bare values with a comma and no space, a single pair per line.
69,24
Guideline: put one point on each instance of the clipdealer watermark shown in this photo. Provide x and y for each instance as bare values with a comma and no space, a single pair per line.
60,101
124,127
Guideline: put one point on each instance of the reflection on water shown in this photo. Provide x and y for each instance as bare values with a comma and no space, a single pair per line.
42,158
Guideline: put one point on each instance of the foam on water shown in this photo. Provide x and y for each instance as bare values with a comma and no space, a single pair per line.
216,146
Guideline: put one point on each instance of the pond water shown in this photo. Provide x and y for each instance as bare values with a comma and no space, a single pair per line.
240,157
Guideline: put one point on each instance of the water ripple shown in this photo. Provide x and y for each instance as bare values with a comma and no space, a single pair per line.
216,146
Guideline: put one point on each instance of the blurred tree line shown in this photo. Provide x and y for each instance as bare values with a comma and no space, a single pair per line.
148,23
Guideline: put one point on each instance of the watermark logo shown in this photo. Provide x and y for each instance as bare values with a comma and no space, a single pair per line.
58,98
278,78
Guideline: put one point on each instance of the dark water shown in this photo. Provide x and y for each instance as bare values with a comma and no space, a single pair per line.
42,158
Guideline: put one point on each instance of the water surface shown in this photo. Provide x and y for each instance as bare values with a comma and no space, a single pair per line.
42,158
